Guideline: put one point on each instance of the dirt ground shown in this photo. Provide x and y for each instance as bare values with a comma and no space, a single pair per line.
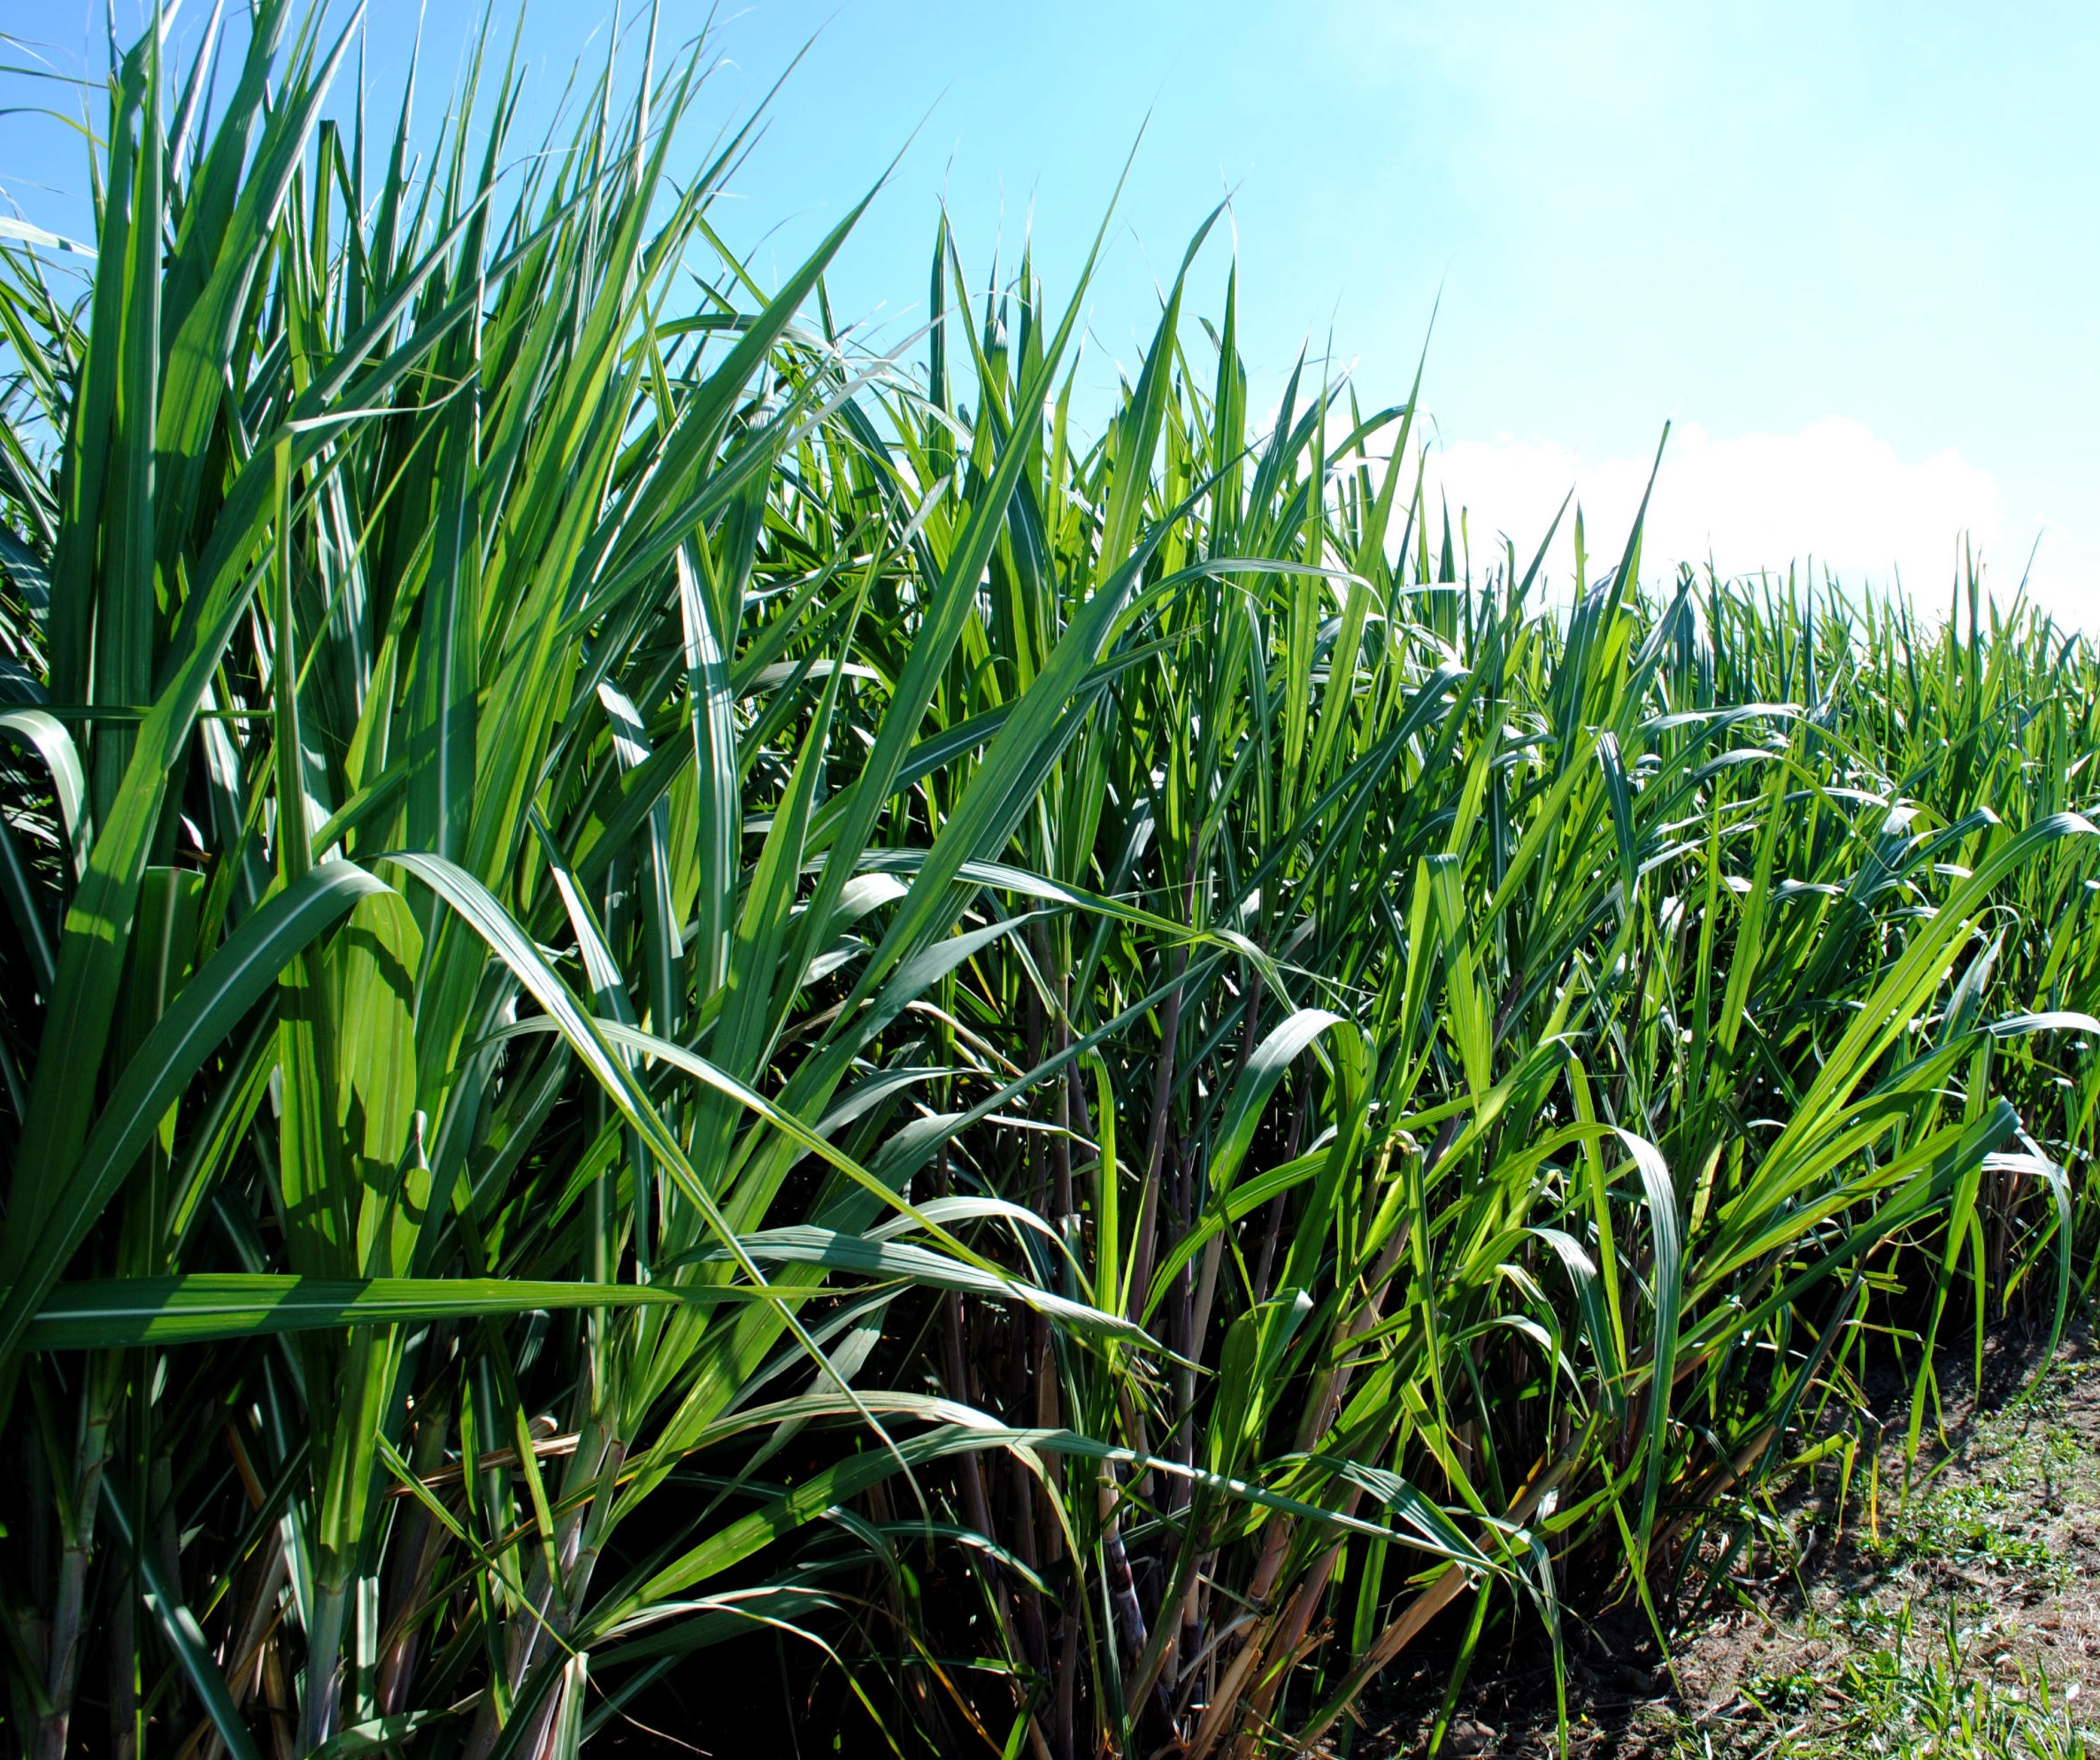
1959,1618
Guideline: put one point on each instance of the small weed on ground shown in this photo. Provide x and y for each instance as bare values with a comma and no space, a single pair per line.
1891,1685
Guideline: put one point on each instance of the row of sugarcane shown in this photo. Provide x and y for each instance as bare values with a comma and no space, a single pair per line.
688,1002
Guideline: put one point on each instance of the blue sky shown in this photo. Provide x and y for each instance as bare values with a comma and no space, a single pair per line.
1850,249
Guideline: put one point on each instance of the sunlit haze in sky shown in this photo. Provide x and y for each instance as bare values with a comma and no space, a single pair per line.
1849,250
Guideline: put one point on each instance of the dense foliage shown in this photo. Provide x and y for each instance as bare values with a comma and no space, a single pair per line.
685,1003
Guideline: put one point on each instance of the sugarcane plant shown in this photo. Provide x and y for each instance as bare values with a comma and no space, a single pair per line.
692,996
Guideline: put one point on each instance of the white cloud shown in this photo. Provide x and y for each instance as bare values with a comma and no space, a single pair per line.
1834,492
